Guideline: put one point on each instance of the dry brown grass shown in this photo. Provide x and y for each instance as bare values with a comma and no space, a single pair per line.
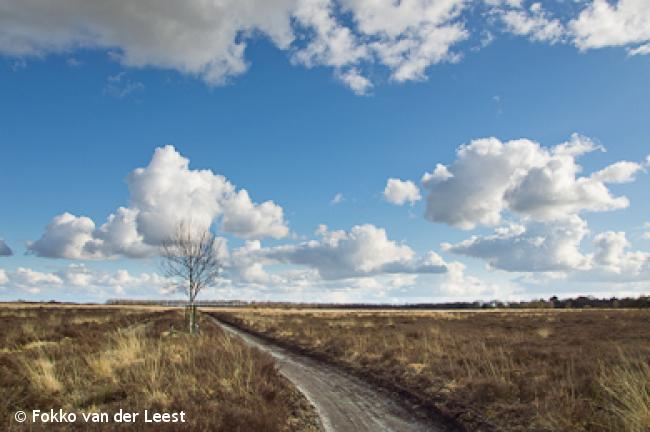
104,359
627,394
533,370
41,374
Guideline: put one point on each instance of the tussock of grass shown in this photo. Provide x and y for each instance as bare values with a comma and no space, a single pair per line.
127,345
102,365
41,374
626,389
125,348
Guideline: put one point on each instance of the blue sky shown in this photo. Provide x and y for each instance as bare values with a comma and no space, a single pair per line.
79,115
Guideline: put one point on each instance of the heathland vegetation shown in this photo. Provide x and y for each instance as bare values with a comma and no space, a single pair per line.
515,370
102,359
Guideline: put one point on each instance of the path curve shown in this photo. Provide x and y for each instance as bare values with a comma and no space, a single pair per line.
343,402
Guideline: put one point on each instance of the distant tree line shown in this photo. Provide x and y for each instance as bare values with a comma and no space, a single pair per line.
581,302
175,302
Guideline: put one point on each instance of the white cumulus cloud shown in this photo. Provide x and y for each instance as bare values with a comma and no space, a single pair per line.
359,84
364,250
65,237
489,177
604,23
399,192
551,250
612,256
78,276
163,194
535,23
619,172
208,39
457,284
195,37
31,281
246,219
4,279
409,36
597,23
538,247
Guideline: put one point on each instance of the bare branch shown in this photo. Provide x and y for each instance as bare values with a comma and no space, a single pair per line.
189,257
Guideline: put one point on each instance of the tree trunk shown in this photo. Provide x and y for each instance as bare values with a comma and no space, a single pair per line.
191,317
194,324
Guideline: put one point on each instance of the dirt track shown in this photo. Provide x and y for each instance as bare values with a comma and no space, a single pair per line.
343,402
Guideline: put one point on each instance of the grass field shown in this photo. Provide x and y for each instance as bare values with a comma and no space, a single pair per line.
549,370
103,359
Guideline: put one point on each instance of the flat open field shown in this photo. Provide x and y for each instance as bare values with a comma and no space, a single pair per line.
520,370
103,359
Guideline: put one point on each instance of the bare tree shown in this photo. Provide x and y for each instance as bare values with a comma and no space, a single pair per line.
189,258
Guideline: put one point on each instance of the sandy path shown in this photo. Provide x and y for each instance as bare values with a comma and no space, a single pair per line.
343,402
